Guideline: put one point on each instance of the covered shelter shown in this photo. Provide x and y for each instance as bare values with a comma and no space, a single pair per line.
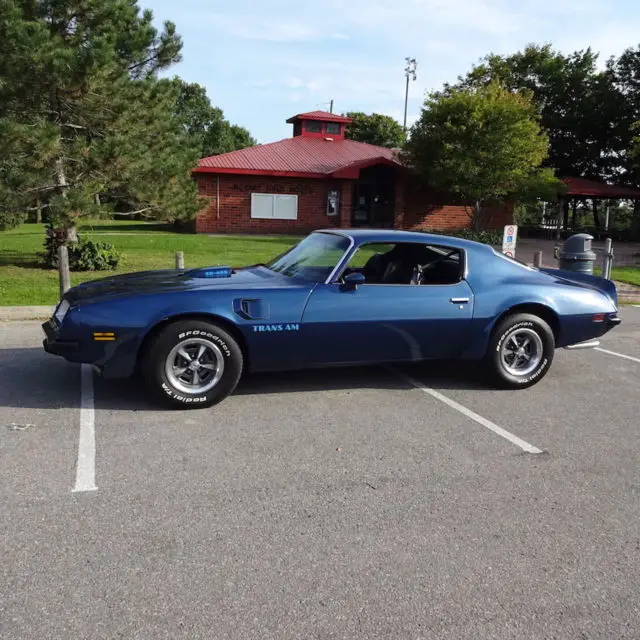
601,195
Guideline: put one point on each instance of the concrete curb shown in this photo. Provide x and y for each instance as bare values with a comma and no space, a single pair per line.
12,314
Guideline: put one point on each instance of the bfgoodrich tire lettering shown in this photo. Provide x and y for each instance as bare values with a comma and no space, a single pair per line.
521,351
192,364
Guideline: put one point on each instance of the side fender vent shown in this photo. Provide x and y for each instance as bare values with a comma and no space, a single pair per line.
251,308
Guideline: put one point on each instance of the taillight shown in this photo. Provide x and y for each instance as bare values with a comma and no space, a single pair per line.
599,317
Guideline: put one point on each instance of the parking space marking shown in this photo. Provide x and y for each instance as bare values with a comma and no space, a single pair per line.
620,355
86,464
519,442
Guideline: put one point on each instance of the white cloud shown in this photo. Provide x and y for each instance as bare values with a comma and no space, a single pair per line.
274,30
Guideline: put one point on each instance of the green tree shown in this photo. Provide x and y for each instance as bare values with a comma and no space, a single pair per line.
624,75
206,124
85,124
577,102
378,129
482,145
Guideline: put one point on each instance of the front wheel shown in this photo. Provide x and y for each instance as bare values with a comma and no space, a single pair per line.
520,351
192,364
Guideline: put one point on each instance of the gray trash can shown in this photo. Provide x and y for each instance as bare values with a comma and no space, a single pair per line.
576,254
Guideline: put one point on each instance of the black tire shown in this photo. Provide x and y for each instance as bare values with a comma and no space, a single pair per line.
522,327
221,359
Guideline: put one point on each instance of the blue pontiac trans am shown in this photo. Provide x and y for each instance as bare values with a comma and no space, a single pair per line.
339,297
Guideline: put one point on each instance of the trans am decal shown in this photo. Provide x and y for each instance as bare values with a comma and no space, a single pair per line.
259,328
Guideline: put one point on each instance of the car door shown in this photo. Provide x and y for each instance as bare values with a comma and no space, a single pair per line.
386,322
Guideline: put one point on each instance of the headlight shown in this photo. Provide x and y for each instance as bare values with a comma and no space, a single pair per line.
61,311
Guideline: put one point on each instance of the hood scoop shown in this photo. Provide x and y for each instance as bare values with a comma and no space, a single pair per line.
210,272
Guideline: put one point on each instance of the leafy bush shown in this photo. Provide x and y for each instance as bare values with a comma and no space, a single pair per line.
87,255
84,255
488,236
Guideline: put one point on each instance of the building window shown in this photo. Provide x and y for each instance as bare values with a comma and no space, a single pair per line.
313,127
274,206
333,128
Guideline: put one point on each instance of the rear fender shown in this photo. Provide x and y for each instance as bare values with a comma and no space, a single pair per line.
595,282
486,317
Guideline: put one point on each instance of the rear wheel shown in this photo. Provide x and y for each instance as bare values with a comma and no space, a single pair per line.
521,351
192,364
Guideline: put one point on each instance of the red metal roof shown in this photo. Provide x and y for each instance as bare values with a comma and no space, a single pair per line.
595,189
319,115
301,157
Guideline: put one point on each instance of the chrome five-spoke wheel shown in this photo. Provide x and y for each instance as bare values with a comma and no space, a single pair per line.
195,366
521,352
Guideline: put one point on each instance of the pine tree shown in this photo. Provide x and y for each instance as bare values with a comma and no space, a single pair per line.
86,126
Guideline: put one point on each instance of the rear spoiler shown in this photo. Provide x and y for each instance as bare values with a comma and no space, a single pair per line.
595,282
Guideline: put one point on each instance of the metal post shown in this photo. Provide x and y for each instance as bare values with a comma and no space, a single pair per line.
179,259
331,107
406,102
537,259
607,261
63,269
559,220
606,218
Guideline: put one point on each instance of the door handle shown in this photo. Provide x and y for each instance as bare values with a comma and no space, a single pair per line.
459,300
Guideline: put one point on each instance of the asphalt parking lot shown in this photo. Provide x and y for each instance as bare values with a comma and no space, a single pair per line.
360,503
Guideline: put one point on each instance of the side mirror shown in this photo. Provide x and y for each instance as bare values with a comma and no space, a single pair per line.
351,281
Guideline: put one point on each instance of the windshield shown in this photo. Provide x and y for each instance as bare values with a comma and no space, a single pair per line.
312,259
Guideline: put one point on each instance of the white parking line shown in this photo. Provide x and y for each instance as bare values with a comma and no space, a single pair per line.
86,465
525,446
620,355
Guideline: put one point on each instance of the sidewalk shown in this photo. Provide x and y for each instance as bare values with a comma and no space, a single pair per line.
624,253
25,313
627,292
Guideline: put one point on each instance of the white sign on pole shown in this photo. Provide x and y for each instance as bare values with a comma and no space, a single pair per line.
509,240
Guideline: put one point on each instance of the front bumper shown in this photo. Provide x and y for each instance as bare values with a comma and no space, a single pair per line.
52,344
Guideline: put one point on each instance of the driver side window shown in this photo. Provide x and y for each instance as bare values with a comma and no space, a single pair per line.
407,263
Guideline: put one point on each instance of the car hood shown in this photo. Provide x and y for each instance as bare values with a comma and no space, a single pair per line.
170,280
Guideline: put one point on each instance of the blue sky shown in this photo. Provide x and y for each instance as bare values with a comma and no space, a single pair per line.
265,60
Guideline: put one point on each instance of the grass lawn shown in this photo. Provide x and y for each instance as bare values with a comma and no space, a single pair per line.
142,245
630,275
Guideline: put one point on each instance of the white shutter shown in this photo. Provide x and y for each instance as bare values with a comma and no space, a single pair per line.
262,205
286,207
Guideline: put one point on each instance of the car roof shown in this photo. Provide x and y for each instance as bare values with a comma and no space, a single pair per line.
363,236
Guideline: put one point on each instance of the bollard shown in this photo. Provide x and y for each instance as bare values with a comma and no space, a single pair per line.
607,260
63,269
537,260
179,259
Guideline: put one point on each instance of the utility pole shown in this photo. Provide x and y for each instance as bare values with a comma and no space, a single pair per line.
410,73
331,106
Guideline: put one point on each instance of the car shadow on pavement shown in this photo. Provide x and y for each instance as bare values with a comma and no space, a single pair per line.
437,375
29,378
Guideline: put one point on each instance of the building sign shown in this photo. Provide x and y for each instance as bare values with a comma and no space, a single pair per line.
333,202
509,240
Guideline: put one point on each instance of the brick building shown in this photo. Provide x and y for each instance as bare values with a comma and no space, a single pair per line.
319,179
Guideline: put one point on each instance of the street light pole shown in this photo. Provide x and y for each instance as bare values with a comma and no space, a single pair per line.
410,73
